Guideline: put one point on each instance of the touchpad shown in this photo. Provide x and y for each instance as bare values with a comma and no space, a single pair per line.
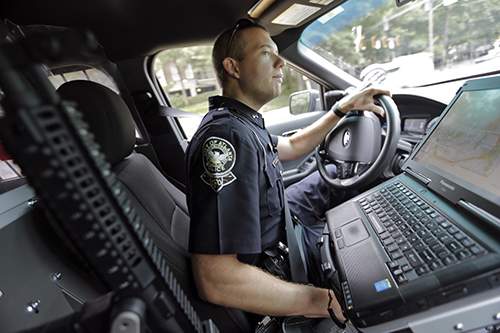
354,232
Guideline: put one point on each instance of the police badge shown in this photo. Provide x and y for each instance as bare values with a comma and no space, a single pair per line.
219,158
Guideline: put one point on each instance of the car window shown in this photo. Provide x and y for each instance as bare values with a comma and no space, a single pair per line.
187,78
421,43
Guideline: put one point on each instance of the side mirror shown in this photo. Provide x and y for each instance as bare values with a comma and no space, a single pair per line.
304,101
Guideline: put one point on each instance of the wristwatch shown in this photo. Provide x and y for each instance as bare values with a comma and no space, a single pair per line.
336,109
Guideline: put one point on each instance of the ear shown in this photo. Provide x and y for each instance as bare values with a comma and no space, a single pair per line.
231,67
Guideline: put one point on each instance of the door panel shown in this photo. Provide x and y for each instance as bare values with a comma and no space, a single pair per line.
297,169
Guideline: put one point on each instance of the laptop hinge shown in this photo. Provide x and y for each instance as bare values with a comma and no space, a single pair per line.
420,177
480,213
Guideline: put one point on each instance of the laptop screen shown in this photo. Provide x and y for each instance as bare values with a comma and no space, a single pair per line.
465,146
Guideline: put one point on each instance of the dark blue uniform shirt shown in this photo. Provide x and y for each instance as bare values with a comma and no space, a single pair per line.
235,187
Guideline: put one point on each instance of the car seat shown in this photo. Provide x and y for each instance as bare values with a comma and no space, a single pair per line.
161,205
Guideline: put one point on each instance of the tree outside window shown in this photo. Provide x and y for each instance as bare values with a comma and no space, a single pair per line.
187,77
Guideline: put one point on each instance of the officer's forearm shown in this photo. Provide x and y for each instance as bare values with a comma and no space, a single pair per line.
226,281
305,140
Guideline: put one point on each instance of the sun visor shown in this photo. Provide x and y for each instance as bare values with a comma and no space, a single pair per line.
278,16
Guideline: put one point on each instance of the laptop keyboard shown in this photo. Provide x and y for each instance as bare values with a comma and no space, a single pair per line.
417,238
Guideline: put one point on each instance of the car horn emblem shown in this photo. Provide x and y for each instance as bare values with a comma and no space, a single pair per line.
346,139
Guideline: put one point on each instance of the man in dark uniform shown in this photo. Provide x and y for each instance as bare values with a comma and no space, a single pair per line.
235,187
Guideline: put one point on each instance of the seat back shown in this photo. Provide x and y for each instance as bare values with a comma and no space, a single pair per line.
160,204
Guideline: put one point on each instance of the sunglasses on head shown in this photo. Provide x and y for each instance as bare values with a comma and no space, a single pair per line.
240,25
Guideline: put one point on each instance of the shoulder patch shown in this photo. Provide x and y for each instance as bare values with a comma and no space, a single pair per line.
219,157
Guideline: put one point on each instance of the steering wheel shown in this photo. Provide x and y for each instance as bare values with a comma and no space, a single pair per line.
355,146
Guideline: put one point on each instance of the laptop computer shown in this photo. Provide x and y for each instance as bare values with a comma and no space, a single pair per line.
431,234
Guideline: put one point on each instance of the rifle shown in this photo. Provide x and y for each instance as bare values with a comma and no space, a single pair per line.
56,151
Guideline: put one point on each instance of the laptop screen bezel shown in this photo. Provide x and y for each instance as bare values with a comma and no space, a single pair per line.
452,189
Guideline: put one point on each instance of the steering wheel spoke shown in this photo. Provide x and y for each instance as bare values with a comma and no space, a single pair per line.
345,169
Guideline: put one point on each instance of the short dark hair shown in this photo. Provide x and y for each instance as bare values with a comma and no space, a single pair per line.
228,44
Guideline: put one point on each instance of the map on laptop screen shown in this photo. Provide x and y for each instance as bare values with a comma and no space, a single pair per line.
466,143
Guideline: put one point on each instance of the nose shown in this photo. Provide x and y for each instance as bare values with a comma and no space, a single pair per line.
279,61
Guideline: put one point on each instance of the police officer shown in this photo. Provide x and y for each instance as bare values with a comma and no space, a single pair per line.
235,188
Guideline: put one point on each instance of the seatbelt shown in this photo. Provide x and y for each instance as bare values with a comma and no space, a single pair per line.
296,255
296,258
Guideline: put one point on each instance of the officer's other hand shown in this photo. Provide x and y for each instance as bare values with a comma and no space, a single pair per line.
363,100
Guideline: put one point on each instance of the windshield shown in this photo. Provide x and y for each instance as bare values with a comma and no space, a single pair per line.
423,42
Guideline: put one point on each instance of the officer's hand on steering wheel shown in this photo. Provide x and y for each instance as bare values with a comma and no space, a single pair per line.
356,145
363,100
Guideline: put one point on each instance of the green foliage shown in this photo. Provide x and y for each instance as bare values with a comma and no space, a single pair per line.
177,100
199,108
199,57
277,103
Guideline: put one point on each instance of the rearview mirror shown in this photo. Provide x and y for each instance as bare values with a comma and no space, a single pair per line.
303,101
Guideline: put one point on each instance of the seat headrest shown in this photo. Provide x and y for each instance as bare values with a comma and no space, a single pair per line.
107,115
